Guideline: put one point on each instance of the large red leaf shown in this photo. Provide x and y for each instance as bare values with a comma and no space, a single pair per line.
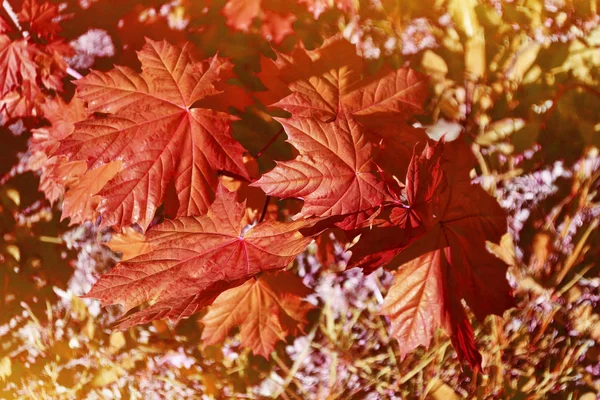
153,128
447,263
266,310
193,259
334,173
334,113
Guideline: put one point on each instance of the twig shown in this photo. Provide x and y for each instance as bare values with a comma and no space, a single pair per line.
13,17
298,362
260,153
264,211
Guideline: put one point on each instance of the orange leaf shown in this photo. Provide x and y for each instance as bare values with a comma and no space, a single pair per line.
266,310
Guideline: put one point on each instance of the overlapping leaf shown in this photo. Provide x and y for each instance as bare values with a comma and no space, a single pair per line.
17,63
39,17
397,226
151,124
334,113
130,243
266,310
446,262
195,258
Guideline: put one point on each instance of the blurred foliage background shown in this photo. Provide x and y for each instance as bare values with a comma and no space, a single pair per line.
520,77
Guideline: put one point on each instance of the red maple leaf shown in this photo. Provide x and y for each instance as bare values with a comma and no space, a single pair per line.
154,127
195,258
334,173
266,310
39,18
332,106
17,63
57,171
446,260
402,222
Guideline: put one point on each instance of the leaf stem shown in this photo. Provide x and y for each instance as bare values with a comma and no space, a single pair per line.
261,152
264,210
13,17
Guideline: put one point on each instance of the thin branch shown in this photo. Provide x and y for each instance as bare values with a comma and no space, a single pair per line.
264,211
261,152
13,17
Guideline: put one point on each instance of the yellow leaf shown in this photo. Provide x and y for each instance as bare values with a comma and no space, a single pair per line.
464,16
79,310
14,196
107,375
117,341
14,251
475,62
500,130
433,63
5,368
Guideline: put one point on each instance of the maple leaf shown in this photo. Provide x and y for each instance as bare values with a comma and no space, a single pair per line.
447,262
62,117
21,102
39,18
130,243
57,171
335,172
17,63
195,258
331,79
154,127
406,222
53,66
240,13
266,310
276,27
80,200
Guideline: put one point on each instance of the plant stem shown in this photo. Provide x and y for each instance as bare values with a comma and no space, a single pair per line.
264,211
261,152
